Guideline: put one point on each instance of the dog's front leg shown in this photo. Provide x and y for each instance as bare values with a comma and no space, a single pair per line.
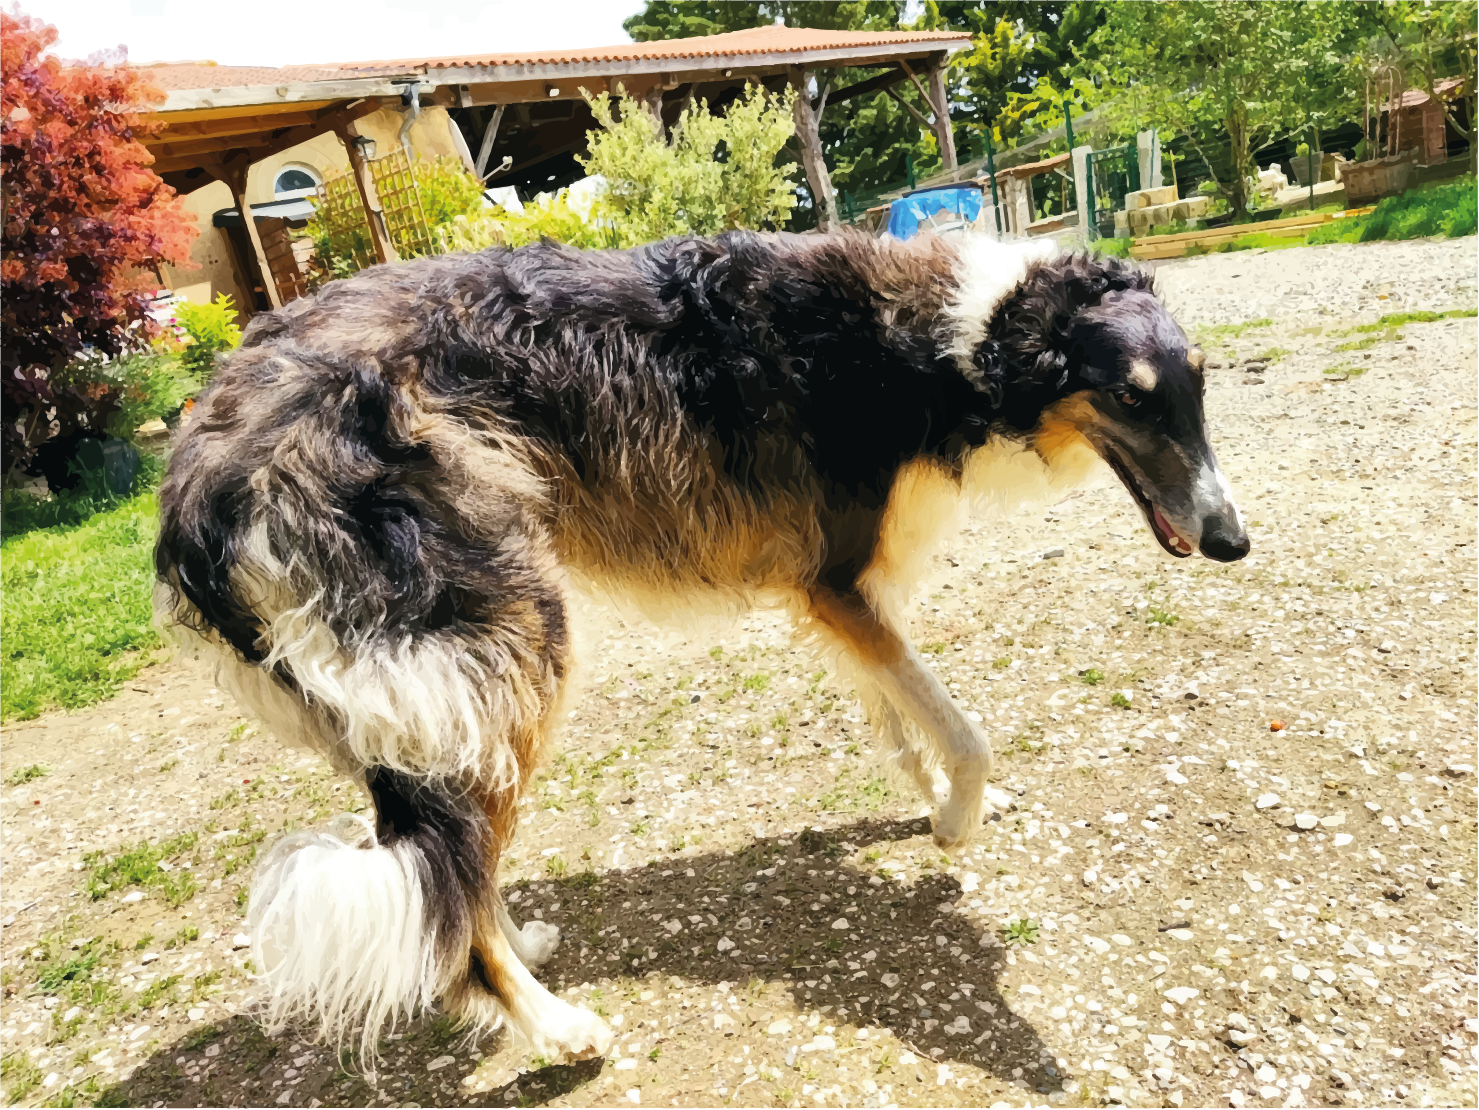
894,667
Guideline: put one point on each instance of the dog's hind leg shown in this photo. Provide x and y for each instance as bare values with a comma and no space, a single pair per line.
499,983
897,672
904,753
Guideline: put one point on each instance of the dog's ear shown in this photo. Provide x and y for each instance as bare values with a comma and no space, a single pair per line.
989,371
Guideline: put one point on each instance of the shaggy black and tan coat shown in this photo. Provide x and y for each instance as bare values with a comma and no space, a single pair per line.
375,512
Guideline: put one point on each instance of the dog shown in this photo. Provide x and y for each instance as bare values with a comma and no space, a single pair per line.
376,511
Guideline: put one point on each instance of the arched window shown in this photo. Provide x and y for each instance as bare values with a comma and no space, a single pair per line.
295,181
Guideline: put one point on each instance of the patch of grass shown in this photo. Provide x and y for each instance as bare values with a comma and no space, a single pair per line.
159,989
1233,331
19,1076
1397,319
556,866
1091,677
75,604
1022,932
1343,373
1002,663
1276,352
139,866
1392,336
184,936
1119,701
757,682
22,775
1449,209
936,648
1157,615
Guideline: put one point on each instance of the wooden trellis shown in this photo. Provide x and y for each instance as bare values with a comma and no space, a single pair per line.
395,184
341,211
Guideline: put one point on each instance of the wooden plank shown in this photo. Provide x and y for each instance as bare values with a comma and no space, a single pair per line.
247,111
228,125
863,88
1236,230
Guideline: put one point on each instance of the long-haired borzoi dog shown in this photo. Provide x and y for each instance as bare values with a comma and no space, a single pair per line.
375,512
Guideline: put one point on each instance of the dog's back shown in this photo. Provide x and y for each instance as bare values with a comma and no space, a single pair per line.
371,515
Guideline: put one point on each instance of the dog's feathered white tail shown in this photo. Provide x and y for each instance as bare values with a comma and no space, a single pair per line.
339,933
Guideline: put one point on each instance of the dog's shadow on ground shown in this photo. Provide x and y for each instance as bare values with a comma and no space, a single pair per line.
907,960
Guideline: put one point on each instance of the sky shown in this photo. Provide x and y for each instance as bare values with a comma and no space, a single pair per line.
302,32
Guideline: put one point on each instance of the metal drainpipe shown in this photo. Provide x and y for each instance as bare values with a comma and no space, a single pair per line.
410,110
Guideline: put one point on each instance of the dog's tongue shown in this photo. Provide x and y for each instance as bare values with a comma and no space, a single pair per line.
1172,536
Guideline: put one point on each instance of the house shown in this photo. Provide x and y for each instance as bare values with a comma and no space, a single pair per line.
268,138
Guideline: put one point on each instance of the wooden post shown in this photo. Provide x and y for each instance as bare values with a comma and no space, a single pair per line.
374,215
234,174
653,98
810,141
940,104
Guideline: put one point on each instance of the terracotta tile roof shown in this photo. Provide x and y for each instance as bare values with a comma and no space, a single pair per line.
1413,97
175,76
183,76
757,40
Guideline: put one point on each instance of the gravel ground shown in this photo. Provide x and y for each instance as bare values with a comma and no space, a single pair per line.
1189,905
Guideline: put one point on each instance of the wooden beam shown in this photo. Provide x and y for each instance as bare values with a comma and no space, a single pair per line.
231,125
863,88
924,96
490,134
242,111
234,173
810,142
374,215
195,152
919,116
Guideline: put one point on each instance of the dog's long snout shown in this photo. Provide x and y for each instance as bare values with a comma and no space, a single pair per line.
1223,540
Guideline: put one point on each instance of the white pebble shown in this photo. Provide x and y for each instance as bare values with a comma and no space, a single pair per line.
1267,801
1306,820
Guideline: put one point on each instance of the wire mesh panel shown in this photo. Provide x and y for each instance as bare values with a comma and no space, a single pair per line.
395,184
1112,174
343,216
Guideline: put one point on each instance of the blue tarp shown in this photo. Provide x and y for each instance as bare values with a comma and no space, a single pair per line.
906,214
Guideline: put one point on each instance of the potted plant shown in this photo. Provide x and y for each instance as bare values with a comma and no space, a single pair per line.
1302,162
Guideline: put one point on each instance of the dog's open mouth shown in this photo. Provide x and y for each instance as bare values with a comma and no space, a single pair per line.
1163,530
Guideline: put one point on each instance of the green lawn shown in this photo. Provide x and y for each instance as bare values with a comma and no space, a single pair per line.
75,609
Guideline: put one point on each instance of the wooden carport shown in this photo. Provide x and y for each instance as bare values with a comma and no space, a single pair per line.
525,115
230,117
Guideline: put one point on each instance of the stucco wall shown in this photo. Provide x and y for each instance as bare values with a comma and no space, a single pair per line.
210,252
431,137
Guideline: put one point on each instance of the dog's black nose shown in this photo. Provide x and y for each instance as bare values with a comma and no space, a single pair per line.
1221,542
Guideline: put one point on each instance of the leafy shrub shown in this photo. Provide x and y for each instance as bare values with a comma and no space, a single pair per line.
84,220
212,329
150,387
546,218
713,174
447,191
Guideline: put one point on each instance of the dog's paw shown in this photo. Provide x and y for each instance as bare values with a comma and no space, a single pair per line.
539,939
571,1033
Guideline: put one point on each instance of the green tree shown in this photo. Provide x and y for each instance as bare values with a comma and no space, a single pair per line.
1233,74
1430,42
714,173
1024,59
